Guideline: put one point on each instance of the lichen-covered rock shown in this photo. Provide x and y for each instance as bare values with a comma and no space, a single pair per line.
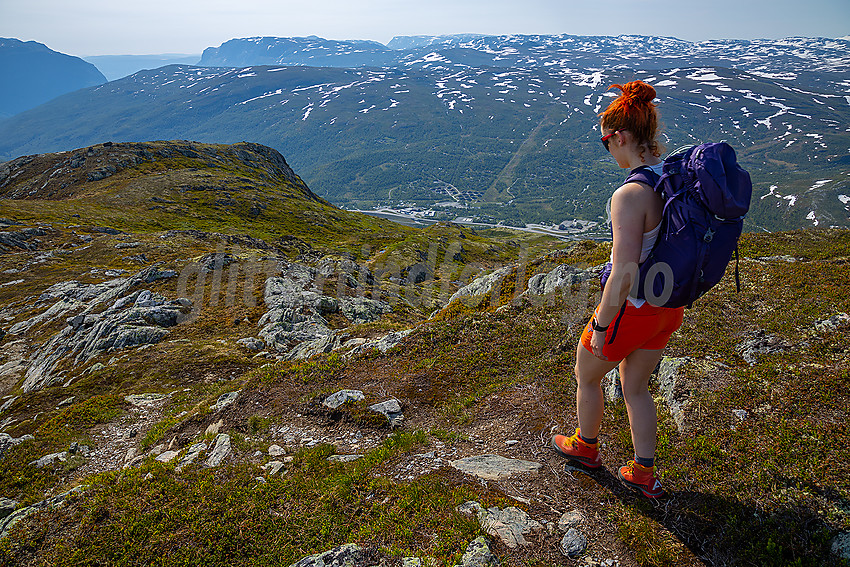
383,344
472,293
833,324
559,279
252,343
9,521
478,554
295,322
841,546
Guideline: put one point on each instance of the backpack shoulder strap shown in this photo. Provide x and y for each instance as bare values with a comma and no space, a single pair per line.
643,174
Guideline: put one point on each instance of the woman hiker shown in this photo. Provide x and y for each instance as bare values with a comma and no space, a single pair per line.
625,331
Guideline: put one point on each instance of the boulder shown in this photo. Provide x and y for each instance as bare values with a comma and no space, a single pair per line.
560,279
383,344
390,409
335,400
574,543
48,460
472,293
273,467
252,343
167,456
191,455
321,345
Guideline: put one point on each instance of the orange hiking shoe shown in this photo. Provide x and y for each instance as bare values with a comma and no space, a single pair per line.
575,449
641,478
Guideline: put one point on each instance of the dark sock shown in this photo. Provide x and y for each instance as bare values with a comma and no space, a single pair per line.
589,440
648,463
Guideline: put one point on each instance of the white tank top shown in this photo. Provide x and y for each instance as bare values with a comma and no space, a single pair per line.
648,241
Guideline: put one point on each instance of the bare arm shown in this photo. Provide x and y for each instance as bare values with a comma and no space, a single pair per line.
629,206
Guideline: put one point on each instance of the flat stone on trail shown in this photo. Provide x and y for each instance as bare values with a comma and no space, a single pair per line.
494,467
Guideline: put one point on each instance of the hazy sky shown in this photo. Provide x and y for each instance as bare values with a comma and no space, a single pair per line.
100,27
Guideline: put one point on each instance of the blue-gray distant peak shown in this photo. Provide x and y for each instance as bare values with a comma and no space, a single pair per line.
33,74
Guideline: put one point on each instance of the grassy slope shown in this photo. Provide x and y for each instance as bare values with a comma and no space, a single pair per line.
769,492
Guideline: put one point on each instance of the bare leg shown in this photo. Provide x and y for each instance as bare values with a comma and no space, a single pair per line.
590,401
635,371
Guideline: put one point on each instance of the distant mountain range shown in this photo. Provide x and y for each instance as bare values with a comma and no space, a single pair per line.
495,128
119,66
33,74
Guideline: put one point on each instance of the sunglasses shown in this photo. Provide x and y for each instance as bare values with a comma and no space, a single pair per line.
606,138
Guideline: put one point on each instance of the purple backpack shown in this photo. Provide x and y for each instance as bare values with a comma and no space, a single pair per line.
706,196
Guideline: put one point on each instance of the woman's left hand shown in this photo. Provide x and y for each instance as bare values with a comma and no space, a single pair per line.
597,341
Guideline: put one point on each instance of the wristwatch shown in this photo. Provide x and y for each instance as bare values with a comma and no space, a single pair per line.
595,326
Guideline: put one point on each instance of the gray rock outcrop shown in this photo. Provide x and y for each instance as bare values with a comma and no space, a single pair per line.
674,389
7,441
383,344
295,322
23,239
9,521
191,455
390,409
133,319
220,450
562,277
472,293
761,342
841,546
833,324
224,400
348,555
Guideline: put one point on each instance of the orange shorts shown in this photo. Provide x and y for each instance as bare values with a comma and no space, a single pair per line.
647,327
